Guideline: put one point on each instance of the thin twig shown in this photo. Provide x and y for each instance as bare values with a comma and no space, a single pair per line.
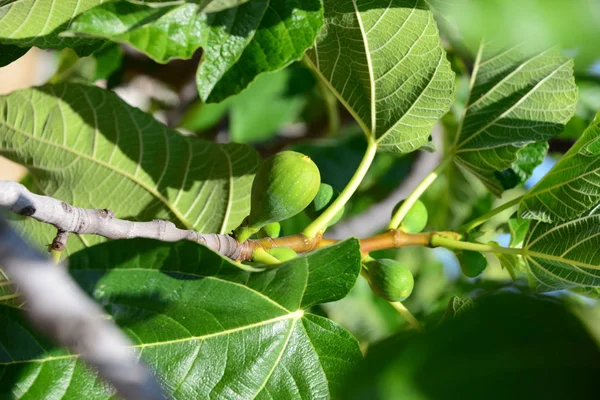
60,309
408,316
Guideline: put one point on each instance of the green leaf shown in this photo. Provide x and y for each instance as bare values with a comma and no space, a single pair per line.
100,65
572,186
517,98
457,306
518,231
163,33
9,53
239,43
87,147
385,62
270,102
507,347
564,255
207,6
27,23
205,327
268,38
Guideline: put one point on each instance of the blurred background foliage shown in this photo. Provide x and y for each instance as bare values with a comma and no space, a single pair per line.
290,109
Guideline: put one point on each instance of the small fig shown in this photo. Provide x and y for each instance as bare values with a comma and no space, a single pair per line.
472,263
390,279
271,230
325,196
282,253
284,185
416,218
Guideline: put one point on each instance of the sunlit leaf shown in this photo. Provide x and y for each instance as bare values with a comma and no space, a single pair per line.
564,255
238,43
85,146
39,23
572,186
238,48
385,62
205,327
517,98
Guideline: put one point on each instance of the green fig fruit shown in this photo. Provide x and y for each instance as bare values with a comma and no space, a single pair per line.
390,279
271,230
325,196
472,263
282,253
284,185
416,218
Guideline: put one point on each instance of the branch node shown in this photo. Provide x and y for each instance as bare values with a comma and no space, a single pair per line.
60,241
27,211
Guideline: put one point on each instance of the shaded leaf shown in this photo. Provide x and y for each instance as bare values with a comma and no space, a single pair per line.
87,147
457,306
572,186
206,327
517,98
270,102
507,347
100,65
9,53
385,62
29,23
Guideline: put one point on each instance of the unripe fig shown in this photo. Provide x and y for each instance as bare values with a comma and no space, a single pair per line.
472,263
390,279
416,218
271,230
282,253
325,196
284,185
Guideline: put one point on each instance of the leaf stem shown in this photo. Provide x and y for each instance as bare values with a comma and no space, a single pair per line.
319,224
482,219
439,241
419,190
408,316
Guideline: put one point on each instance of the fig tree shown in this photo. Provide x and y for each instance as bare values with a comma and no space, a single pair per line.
283,186
472,263
416,218
390,279
325,196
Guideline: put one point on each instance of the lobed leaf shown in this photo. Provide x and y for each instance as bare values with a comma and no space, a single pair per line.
238,43
205,327
87,147
572,186
285,29
163,33
385,62
517,98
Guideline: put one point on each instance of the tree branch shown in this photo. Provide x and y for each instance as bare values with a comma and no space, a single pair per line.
69,219
61,310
